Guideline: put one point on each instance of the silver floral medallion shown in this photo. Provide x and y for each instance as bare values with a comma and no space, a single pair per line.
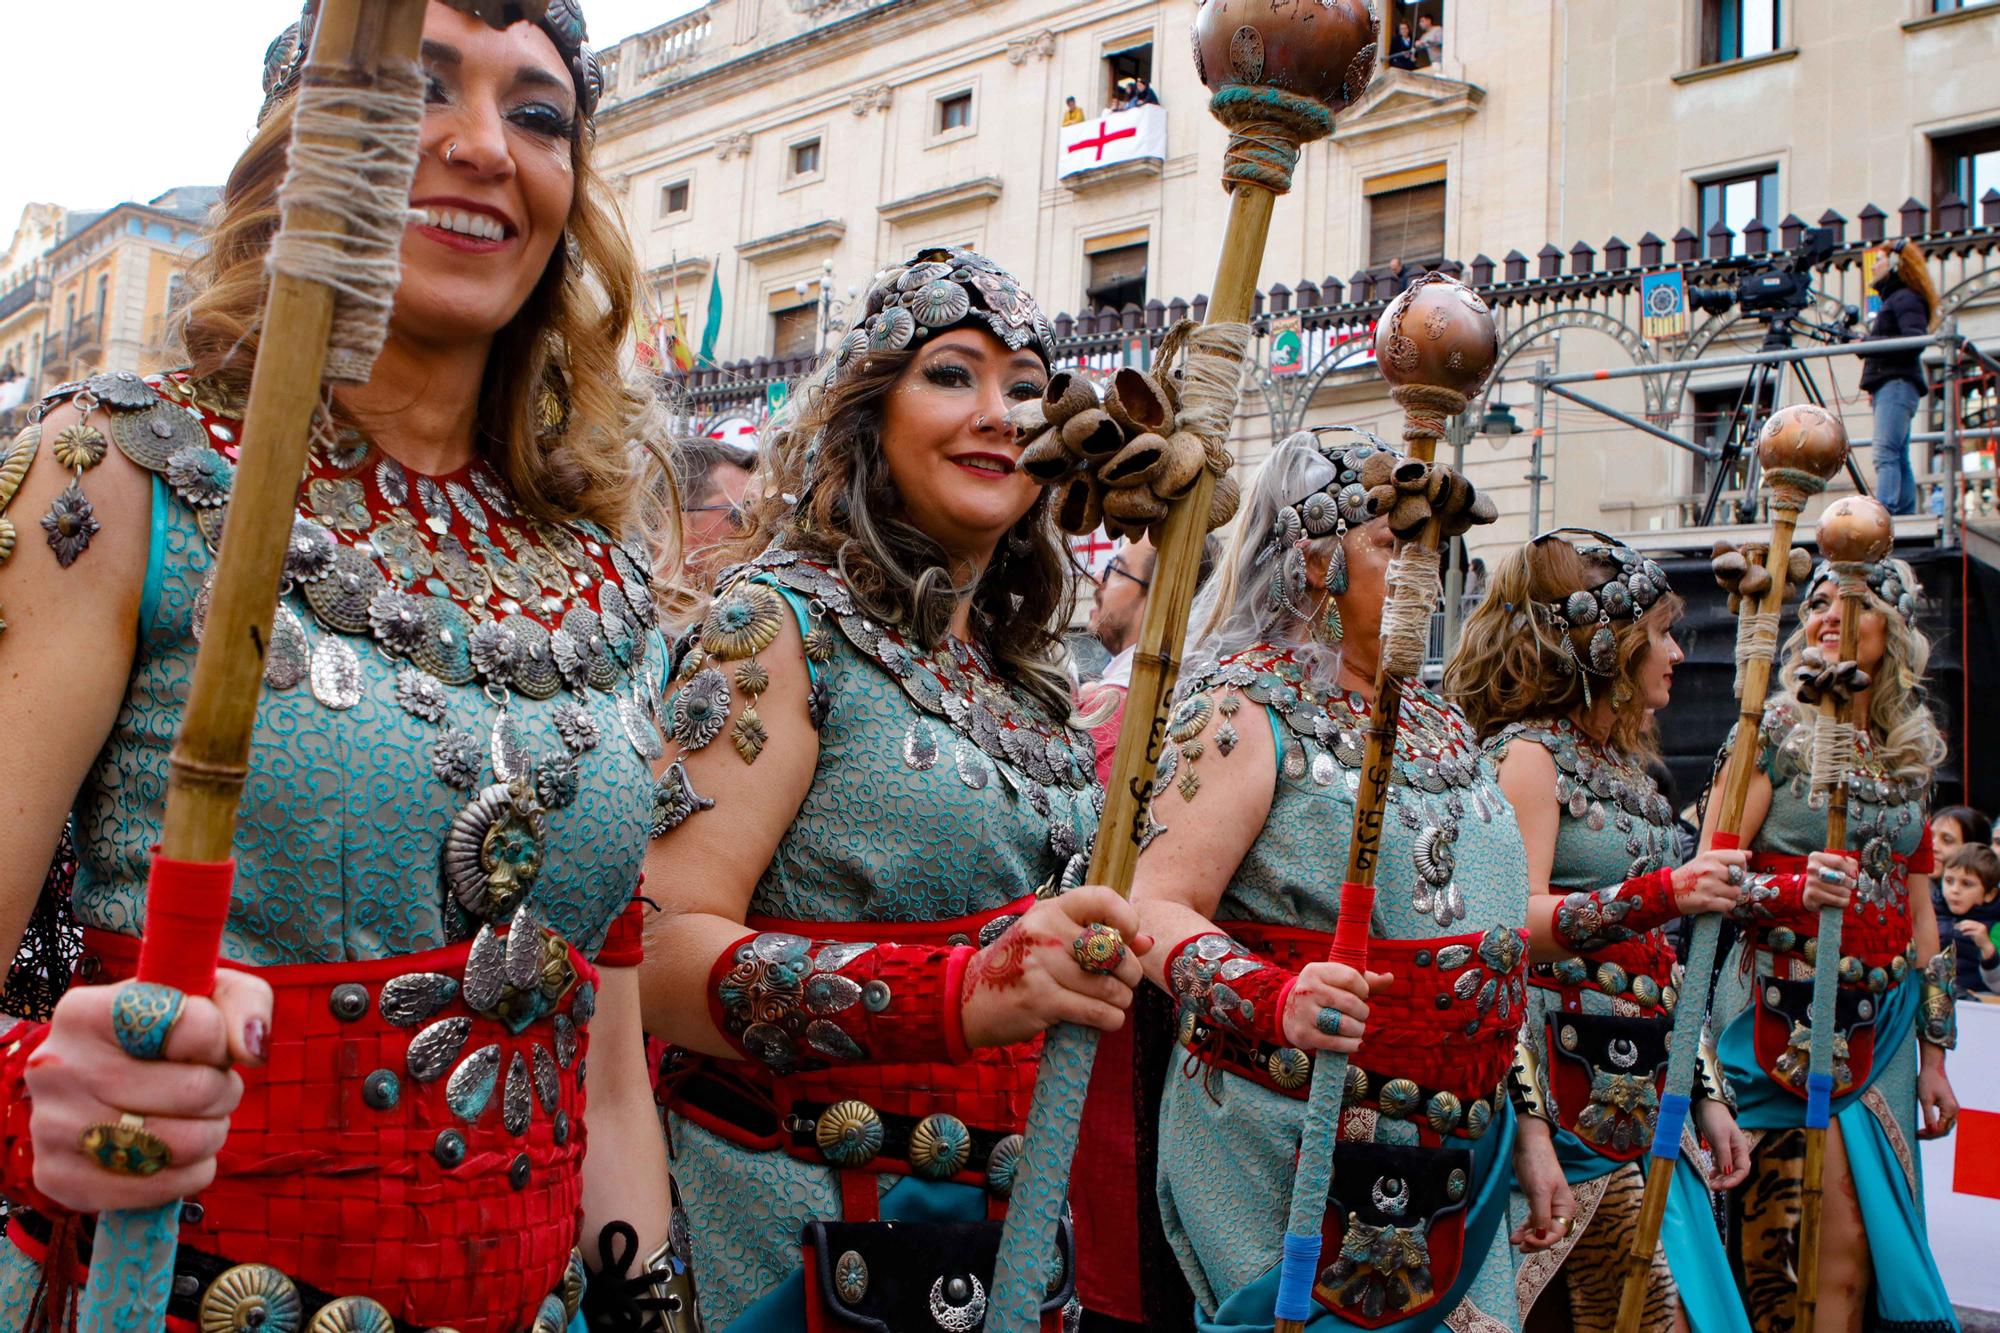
336,674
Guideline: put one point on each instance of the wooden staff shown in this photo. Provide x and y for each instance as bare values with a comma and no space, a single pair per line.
1436,345
1277,76
356,44
1853,533
1800,448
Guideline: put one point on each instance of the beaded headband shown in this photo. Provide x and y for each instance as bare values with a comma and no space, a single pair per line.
1327,512
940,289
561,20
1884,580
1626,595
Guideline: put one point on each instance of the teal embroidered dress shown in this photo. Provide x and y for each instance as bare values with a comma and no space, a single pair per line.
1450,912
943,798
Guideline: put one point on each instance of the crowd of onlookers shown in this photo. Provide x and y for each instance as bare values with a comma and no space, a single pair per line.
1967,896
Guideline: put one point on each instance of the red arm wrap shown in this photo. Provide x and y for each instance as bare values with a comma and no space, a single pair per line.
1229,987
625,943
1586,922
17,1149
793,1003
1769,896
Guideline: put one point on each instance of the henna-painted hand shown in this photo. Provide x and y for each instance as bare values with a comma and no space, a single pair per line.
1335,986
80,1077
1704,884
1028,980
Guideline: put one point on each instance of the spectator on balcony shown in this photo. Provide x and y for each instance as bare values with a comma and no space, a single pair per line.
1430,41
1143,94
1121,96
1072,113
1894,381
1402,51
1393,279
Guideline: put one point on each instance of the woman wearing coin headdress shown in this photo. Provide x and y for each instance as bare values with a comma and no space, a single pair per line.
874,793
444,823
1561,671
1253,805
1894,1012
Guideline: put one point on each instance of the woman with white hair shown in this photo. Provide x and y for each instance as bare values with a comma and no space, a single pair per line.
1239,883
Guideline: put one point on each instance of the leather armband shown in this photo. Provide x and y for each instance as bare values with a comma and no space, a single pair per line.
17,1149
1711,1082
1937,1013
1226,986
1527,1081
1587,922
1768,896
792,1003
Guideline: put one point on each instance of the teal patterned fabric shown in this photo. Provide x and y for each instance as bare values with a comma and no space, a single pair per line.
1880,806
1226,1160
917,812
344,818
1615,824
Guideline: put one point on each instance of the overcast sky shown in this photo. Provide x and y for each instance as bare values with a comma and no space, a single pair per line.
110,100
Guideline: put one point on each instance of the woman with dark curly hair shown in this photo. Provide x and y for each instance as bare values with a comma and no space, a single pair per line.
875,796
444,819
1894,1013
1562,670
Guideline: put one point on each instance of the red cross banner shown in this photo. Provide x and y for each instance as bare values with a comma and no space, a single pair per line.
1120,136
1962,1172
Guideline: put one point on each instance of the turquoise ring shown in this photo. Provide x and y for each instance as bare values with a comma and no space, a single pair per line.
143,1016
1328,1021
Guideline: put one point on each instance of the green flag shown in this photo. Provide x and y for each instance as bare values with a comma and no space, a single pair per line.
712,325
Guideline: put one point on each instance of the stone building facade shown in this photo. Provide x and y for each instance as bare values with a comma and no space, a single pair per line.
784,150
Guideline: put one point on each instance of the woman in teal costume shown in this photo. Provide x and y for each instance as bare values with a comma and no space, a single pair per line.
1896,1013
1562,670
879,798
452,755
1252,808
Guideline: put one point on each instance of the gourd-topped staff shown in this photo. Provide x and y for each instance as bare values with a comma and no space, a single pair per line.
1801,447
1278,74
1436,345
334,272
1853,534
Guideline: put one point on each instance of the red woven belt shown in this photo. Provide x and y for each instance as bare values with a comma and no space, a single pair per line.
330,1178
1612,971
1419,1027
1870,933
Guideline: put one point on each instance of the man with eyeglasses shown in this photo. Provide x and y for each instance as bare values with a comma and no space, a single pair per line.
715,479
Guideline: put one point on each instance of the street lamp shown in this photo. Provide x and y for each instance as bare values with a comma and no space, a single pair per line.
1499,419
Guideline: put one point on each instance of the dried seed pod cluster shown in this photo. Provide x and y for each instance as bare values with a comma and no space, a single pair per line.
1410,491
1822,678
1117,462
1739,568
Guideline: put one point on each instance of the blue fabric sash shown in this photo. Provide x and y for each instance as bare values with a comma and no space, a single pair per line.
1249,1309
1898,1240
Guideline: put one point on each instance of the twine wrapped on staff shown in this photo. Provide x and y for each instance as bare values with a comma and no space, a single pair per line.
1277,74
334,269
1436,346
1853,534
1801,447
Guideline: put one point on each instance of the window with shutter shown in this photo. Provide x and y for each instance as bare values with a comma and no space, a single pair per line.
1116,277
1406,224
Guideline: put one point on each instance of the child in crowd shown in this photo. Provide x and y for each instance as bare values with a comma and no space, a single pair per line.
1969,915
1956,825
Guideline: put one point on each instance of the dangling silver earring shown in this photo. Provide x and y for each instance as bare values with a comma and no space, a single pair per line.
1326,627
1336,563
573,250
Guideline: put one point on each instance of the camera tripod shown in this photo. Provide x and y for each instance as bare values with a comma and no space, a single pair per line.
1756,402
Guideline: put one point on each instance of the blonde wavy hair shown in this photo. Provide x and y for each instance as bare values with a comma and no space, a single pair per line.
1906,736
1510,665
557,417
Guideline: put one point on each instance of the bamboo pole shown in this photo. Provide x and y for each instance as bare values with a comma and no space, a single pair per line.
1852,533
1800,447
133,1251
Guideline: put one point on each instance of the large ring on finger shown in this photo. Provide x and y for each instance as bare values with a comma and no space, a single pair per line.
1328,1021
143,1015
1828,875
1736,875
1099,949
126,1148
1568,1224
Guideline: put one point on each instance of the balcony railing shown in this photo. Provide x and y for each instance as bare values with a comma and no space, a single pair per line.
1335,314
23,295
